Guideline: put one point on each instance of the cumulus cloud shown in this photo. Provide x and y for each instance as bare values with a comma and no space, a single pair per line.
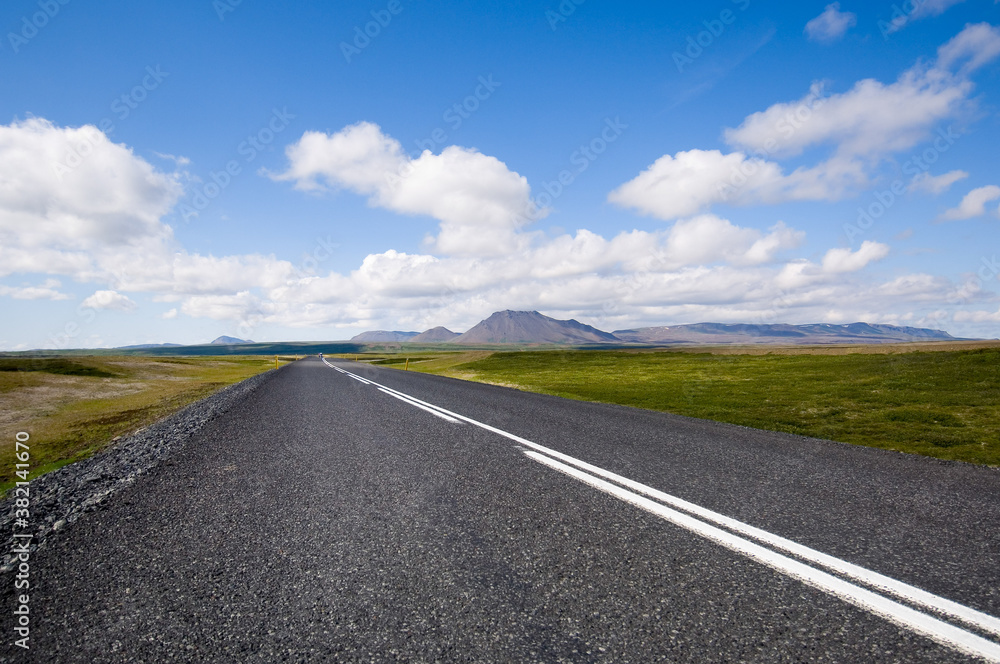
49,290
936,184
241,306
707,239
973,204
72,188
359,157
844,260
689,182
701,266
479,202
873,118
831,24
109,300
692,181
860,128
74,203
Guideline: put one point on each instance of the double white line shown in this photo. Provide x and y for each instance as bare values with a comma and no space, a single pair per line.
923,612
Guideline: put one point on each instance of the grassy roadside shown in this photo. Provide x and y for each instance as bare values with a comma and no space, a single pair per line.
944,404
73,407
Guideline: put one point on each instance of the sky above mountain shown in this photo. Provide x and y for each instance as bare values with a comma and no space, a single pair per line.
305,170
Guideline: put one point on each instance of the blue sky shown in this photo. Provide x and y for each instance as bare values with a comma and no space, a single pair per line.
183,170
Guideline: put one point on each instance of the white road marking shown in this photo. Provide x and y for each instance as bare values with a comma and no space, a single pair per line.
900,614
420,406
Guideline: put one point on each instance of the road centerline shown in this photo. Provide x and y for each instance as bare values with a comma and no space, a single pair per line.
420,406
897,613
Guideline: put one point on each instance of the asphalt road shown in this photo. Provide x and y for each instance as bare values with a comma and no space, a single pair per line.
324,518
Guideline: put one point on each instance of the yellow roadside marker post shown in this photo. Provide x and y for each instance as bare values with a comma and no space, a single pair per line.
275,361
407,367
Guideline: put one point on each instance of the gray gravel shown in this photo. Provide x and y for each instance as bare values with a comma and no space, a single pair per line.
64,495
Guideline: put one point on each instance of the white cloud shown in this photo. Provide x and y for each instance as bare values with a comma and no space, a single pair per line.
829,277
478,200
920,9
110,300
973,203
701,267
179,161
976,45
47,291
359,157
831,24
860,127
708,239
691,182
845,260
873,119
242,306
978,316
917,287
925,8
870,120
936,184
73,188
74,203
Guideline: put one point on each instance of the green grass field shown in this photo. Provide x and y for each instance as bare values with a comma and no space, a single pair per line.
940,404
73,407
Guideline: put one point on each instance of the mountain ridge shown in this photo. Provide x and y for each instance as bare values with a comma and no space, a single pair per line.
384,336
435,335
809,333
531,327
229,341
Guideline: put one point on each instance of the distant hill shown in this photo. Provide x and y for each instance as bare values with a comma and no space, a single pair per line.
531,327
435,335
230,341
816,333
383,336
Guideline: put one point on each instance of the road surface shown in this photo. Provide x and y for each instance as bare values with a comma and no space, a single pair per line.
346,512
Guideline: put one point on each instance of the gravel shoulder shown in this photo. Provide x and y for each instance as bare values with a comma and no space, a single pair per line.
62,496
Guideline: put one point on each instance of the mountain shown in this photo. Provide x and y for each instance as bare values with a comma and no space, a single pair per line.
383,336
435,334
817,333
230,341
533,328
